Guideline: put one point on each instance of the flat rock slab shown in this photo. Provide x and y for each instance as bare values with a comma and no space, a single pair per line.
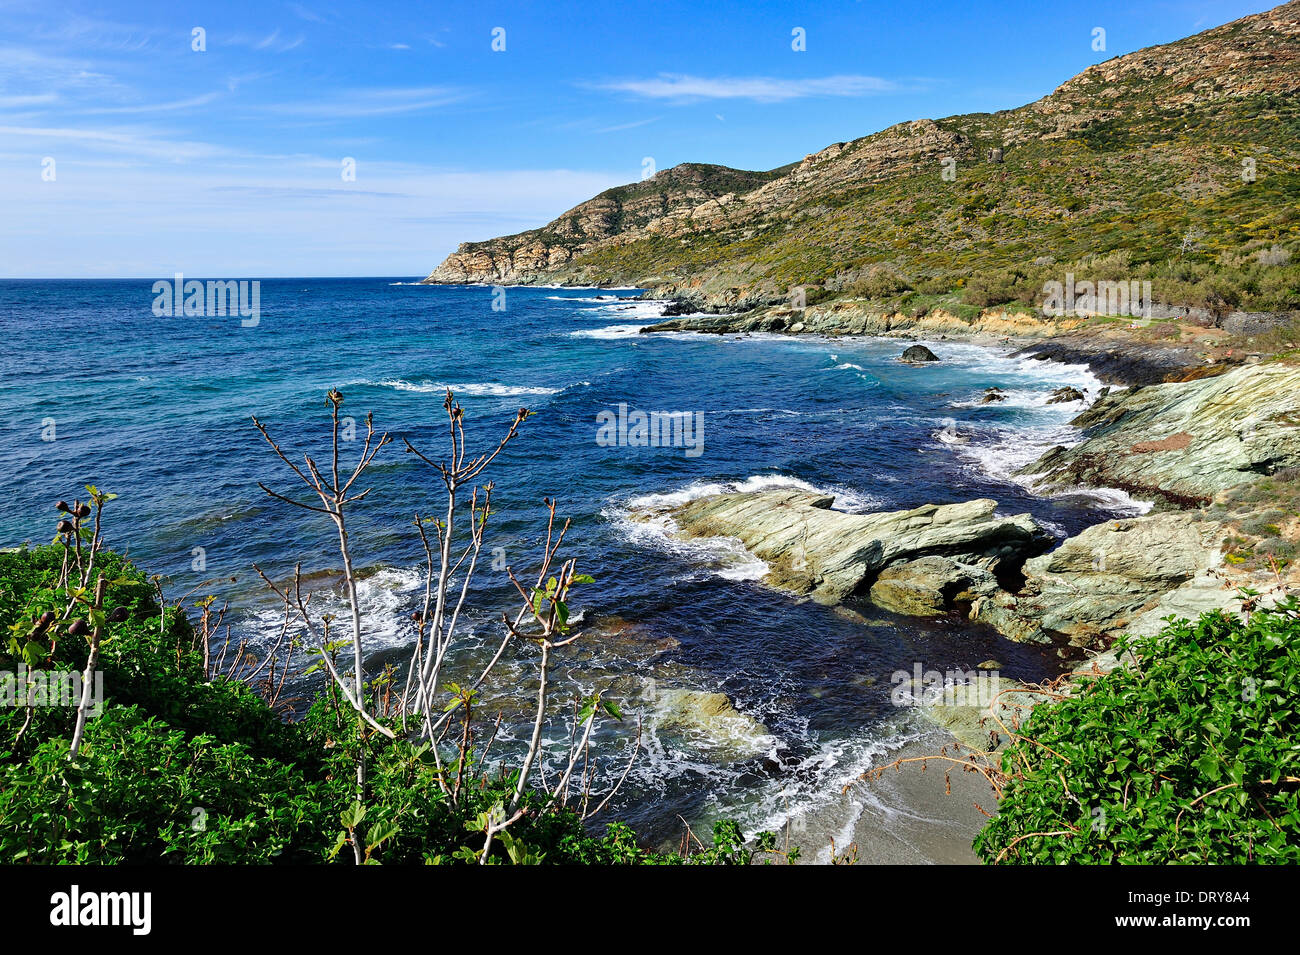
811,549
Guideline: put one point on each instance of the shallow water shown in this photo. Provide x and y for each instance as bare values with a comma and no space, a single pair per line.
158,411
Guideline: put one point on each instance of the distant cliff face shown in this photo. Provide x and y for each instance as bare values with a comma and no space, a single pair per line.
692,195
1161,138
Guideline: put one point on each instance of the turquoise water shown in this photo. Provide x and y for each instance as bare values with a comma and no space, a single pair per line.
158,411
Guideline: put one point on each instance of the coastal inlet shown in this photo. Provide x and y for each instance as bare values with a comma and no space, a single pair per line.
756,703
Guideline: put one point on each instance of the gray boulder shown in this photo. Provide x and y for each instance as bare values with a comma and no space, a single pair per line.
1108,576
1066,394
918,354
711,724
930,586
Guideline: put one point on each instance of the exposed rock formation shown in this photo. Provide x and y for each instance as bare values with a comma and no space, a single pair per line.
812,549
1100,581
1114,577
1184,442
858,318
918,355
1064,395
931,586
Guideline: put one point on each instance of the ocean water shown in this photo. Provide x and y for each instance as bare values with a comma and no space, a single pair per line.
158,411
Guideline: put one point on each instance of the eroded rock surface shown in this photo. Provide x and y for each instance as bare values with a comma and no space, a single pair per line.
1182,443
811,549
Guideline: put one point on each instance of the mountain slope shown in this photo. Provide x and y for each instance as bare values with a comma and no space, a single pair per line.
1140,166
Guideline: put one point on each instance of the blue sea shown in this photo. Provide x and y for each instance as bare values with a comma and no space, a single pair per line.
158,410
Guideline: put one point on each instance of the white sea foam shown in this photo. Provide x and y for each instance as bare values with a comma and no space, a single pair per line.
810,800
1004,452
846,499
609,331
1026,398
585,298
386,597
649,310
712,556
476,388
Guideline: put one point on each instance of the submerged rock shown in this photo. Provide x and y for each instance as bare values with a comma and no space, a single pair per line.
918,354
983,713
711,723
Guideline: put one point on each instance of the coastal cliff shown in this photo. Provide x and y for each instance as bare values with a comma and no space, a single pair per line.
1191,144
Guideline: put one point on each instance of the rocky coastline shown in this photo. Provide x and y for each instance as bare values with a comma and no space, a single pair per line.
1126,352
1208,452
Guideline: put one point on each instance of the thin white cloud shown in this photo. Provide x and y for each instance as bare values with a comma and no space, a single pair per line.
351,104
119,141
762,89
271,41
303,13
94,33
17,102
633,125
158,107
41,71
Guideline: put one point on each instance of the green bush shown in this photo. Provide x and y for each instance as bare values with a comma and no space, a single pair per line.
183,769
992,288
1188,756
881,282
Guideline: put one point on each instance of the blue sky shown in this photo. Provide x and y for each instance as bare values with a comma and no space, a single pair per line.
228,162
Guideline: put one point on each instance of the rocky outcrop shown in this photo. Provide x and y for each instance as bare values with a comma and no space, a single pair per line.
1065,395
1097,583
1182,443
675,201
918,355
811,549
1118,358
1115,577
931,586
861,318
